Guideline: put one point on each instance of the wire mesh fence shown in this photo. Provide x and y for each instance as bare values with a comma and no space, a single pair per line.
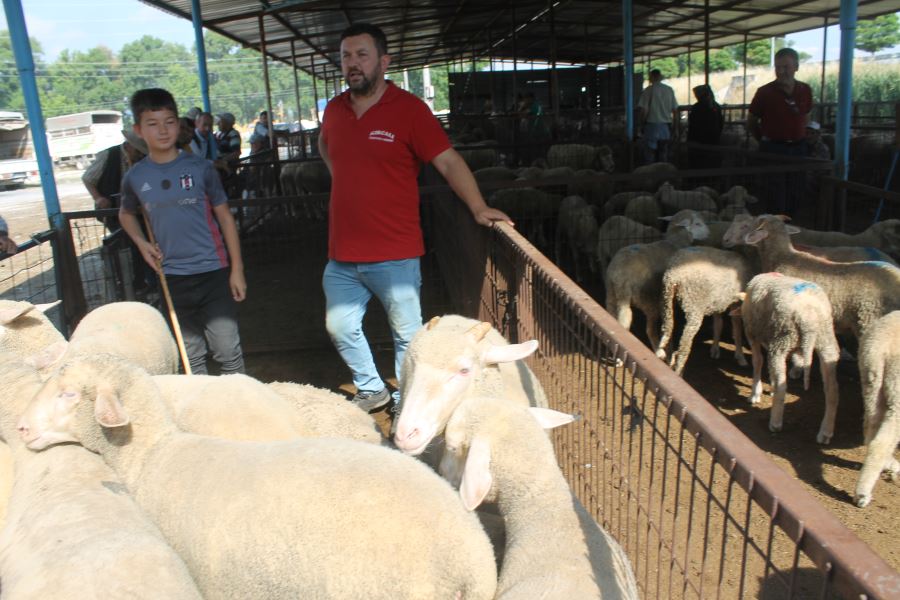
700,510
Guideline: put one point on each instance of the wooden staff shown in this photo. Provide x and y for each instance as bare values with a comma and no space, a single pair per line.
165,289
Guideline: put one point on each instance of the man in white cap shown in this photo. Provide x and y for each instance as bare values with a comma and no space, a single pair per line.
816,148
228,138
103,177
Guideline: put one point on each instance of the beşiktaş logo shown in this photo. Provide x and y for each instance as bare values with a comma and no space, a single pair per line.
381,136
186,181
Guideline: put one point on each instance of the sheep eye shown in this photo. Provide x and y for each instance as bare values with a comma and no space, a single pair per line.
464,371
69,394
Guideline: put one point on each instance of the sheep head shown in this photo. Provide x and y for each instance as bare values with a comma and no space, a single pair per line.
53,415
438,370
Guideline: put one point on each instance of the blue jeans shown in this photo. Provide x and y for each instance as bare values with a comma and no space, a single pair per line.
348,289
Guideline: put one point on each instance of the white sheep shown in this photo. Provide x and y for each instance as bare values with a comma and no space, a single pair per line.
634,275
616,233
449,359
789,316
134,331
578,156
270,519
845,253
859,293
734,202
27,333
879,369
673,200
314,176
553,549
238,407
494,174
72,530
884,235
615,204
644,210
591,185
650,177
576,226
704,281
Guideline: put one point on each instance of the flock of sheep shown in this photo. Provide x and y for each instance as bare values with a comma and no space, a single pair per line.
130,481
789,290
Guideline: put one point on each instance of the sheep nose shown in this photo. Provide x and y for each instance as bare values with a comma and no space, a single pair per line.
401,437
24,431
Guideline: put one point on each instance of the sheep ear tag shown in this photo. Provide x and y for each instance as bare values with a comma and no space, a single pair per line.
509,353
476,478
550,419
108,411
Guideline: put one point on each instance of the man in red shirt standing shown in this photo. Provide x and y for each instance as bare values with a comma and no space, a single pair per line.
374,139
778,116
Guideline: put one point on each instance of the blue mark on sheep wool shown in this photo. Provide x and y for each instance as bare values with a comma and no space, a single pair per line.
803,286
873,253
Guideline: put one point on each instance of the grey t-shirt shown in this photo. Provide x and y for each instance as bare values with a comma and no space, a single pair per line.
178,197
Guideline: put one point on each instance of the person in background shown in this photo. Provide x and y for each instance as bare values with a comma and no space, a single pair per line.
185,135
777,119
658,111
705,124
204,143
374,139
7,245
259,139
197,247
103,181
228,139
815,147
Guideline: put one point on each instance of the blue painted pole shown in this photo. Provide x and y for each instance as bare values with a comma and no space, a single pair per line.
197,19
18,33
628,51
845,89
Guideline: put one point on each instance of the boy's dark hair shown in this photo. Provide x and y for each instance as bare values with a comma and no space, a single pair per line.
790,52
151,99
373,30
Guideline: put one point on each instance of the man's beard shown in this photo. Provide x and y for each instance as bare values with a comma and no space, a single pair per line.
364,86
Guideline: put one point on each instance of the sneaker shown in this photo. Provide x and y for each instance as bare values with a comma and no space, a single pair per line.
370,401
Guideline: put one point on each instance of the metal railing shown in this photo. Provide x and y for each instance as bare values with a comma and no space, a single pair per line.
701,511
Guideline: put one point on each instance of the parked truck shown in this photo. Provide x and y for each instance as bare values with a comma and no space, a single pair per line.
17,163
75,139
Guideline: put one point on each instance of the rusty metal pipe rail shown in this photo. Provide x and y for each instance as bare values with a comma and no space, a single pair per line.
847,563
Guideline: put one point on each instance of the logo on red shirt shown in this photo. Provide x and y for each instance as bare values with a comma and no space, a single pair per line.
381,136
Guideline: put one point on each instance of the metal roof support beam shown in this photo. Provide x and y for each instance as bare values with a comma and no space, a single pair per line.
822,84
265,65
845,88
197,20
706,42
18,35
312,69
628,52
554,76
297,90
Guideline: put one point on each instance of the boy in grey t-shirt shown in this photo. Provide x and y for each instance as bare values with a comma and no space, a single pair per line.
195,233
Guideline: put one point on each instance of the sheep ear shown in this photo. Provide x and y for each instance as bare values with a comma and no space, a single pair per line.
791,229
108,410
46,306
9,315
48,356
501,354
432,323
476,478
784,218
477,332
754,237
550,419
665,218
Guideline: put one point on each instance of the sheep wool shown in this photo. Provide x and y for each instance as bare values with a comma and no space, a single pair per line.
261,520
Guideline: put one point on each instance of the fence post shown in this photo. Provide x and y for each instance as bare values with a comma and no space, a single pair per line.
68,278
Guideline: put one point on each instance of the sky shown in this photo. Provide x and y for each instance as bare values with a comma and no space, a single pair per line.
84,24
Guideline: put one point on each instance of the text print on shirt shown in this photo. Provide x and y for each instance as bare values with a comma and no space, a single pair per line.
381,136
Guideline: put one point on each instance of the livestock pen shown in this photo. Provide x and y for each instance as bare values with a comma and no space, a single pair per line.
699,508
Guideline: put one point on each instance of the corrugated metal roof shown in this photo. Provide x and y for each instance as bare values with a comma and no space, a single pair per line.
433,32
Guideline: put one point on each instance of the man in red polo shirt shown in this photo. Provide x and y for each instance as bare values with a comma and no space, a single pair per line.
374,139
778,116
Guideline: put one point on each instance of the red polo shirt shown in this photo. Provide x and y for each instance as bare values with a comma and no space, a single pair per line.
783,115
375,161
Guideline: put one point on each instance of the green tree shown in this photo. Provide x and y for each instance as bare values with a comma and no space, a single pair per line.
10,88
876,34
78,81
668,66
719,60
